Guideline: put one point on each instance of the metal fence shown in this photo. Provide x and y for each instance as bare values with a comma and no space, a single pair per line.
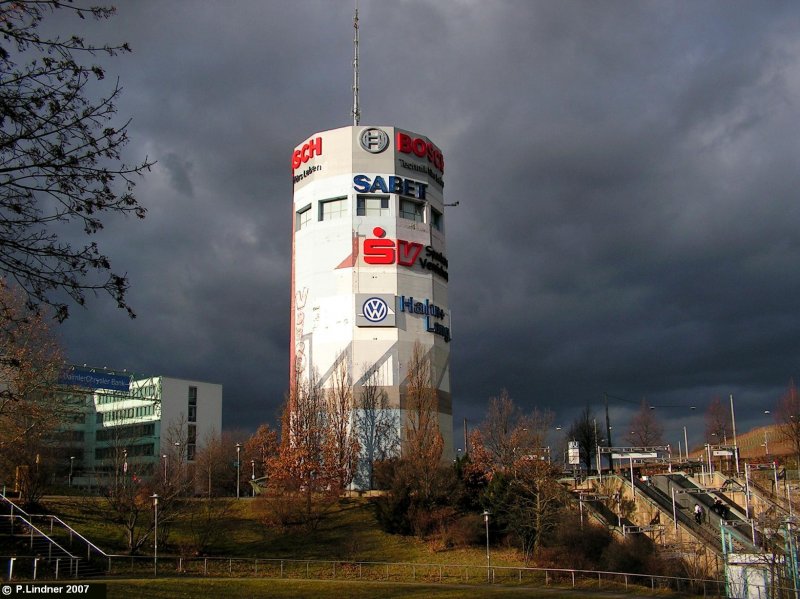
167,566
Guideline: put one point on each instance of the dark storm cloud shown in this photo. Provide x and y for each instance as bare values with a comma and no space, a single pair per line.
626,173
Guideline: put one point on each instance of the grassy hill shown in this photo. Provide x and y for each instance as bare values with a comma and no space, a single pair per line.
348,532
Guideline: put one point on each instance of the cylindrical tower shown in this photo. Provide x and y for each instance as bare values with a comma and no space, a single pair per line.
369,265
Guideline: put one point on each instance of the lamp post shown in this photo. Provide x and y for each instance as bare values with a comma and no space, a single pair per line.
71,461
165,467
238,467
155,534
486,514
253,476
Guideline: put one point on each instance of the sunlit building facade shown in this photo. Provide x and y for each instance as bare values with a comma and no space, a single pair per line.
369,261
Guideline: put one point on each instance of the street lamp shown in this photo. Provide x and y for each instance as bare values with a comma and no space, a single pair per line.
154,497
238,468
486,514
253,476
71,460
163,455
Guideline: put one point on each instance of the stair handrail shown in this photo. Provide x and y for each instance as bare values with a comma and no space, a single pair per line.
13,505
72,531
33,527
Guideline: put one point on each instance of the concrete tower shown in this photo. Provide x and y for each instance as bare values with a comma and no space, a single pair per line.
369,265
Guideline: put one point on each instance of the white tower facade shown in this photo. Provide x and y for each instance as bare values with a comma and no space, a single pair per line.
369,265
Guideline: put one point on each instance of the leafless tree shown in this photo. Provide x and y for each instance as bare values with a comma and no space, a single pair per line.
787,416
717,422
128,489
423,443
376,424
341,443
509,434
584,431
60,156
645,429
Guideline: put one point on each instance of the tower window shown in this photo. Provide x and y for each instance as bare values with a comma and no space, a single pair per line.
331,209
373,206
412,210
302,218
436,219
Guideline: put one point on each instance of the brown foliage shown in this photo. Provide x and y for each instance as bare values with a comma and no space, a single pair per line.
30,411
423,447
317,454
508,434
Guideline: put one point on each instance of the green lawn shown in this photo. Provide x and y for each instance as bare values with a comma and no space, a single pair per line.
349,532
277,589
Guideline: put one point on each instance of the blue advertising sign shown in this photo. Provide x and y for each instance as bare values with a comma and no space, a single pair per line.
88,379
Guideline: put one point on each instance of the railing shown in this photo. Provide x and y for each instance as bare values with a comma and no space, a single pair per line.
15,511
29,567
146,566
36,533
73,534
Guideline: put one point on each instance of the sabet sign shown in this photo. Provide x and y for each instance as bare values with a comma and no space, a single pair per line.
380,250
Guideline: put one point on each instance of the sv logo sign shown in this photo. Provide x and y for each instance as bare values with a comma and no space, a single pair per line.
388,251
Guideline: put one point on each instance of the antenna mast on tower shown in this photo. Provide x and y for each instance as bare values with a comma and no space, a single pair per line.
356,109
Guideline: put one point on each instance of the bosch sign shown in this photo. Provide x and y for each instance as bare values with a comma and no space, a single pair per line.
420,147
313,147
374,140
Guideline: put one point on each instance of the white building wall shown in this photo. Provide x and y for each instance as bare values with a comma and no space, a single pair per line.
162,402
334,268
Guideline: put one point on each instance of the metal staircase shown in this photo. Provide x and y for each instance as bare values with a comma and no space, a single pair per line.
54,548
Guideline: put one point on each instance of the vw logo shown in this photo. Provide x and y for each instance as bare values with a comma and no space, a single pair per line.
375,309
374,140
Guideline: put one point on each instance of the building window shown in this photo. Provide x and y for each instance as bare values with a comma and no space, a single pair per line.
436,219
373,206
302,218
191,442
331,209
192,404
412,210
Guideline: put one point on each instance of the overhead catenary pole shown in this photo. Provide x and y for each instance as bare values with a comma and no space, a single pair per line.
608,431
686,443
735,445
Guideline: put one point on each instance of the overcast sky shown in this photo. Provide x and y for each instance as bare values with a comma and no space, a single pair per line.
627,174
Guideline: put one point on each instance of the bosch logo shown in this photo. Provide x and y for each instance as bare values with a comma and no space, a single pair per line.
375,309
374,140
313,147
422,148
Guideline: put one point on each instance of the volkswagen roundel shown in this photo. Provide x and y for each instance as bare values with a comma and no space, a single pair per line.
375,309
